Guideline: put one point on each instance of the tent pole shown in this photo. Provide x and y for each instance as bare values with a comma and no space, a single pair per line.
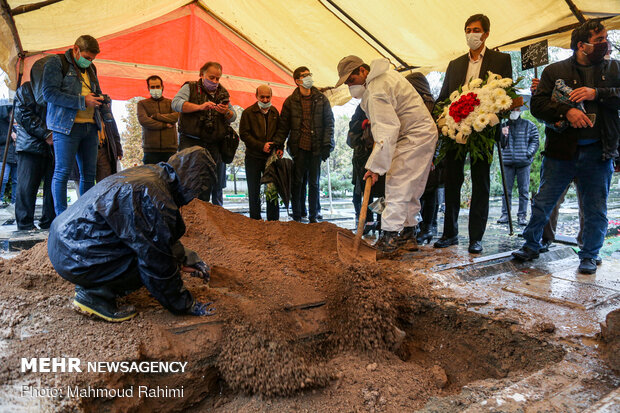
367,33
6,12
576,12
329,189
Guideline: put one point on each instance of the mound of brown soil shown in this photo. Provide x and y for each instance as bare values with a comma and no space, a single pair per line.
290,316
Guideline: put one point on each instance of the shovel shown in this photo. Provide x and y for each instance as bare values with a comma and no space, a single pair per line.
350,248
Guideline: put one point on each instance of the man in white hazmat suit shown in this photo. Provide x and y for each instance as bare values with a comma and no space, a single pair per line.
405,137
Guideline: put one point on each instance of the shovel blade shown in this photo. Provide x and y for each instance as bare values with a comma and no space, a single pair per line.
346,250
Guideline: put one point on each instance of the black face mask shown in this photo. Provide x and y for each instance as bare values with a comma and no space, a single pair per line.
599,50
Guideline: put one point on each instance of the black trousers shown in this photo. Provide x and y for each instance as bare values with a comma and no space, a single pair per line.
156,157
306,162
429,210
254,168
216,195
31,169
479,208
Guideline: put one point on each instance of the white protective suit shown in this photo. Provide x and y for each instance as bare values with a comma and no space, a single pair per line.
405,137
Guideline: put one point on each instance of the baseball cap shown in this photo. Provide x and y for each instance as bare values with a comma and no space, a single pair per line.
346,66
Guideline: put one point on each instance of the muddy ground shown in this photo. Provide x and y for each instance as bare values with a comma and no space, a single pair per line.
295,330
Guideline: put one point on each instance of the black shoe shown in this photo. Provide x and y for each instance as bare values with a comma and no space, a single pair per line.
545,246
599,260
407,239
313,220
387,242
503,219
525,254
587,266
475,247
446,242
319,216
92,303
425,237
522,221
370,226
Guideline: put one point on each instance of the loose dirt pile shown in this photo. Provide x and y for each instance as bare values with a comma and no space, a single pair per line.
291,317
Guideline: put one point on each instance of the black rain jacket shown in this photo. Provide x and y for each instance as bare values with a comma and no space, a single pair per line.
132,219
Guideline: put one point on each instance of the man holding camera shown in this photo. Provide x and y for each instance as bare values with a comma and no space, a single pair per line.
205,114
71,90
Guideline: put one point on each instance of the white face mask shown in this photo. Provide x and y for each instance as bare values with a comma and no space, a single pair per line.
156,93
357,91
473,40
264,105
514,115
307,82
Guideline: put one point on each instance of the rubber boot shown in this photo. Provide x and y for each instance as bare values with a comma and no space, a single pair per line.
387,242
407,239
101,302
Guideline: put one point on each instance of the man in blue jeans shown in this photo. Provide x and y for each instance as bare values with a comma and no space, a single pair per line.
71,90
585,150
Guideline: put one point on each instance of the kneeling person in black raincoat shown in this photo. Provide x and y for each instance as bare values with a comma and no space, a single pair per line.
124,233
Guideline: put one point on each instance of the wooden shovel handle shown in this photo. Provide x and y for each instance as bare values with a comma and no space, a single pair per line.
362,219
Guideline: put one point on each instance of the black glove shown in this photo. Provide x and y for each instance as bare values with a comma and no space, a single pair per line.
325,151
202,270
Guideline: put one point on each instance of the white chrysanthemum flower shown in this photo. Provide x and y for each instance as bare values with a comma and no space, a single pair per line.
481,122
475,83
465,89
444,131
466,130
505,82
454,95
493,84
504,102
498,93
452,133
493,76
493,119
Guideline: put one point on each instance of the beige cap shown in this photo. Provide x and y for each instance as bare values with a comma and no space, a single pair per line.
346,66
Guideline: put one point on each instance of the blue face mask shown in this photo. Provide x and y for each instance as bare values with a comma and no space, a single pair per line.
307,82
82,62
264,105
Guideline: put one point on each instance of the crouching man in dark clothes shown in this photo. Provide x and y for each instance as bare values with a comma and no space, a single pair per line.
124,234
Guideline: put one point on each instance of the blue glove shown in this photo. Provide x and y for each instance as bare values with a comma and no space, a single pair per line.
202,270
201,309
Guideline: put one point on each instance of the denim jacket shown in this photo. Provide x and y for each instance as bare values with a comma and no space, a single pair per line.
63,93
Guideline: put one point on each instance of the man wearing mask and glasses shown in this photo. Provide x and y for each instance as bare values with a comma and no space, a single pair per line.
205,114
585,150
158,121
307,126
474,64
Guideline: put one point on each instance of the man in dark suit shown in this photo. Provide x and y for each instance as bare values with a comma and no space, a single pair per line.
474,64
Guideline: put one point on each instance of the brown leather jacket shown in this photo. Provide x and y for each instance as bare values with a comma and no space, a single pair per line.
154,116
252,130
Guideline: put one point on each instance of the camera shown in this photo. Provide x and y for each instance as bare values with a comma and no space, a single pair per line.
106,98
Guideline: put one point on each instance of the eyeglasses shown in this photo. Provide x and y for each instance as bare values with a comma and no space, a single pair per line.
305,75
